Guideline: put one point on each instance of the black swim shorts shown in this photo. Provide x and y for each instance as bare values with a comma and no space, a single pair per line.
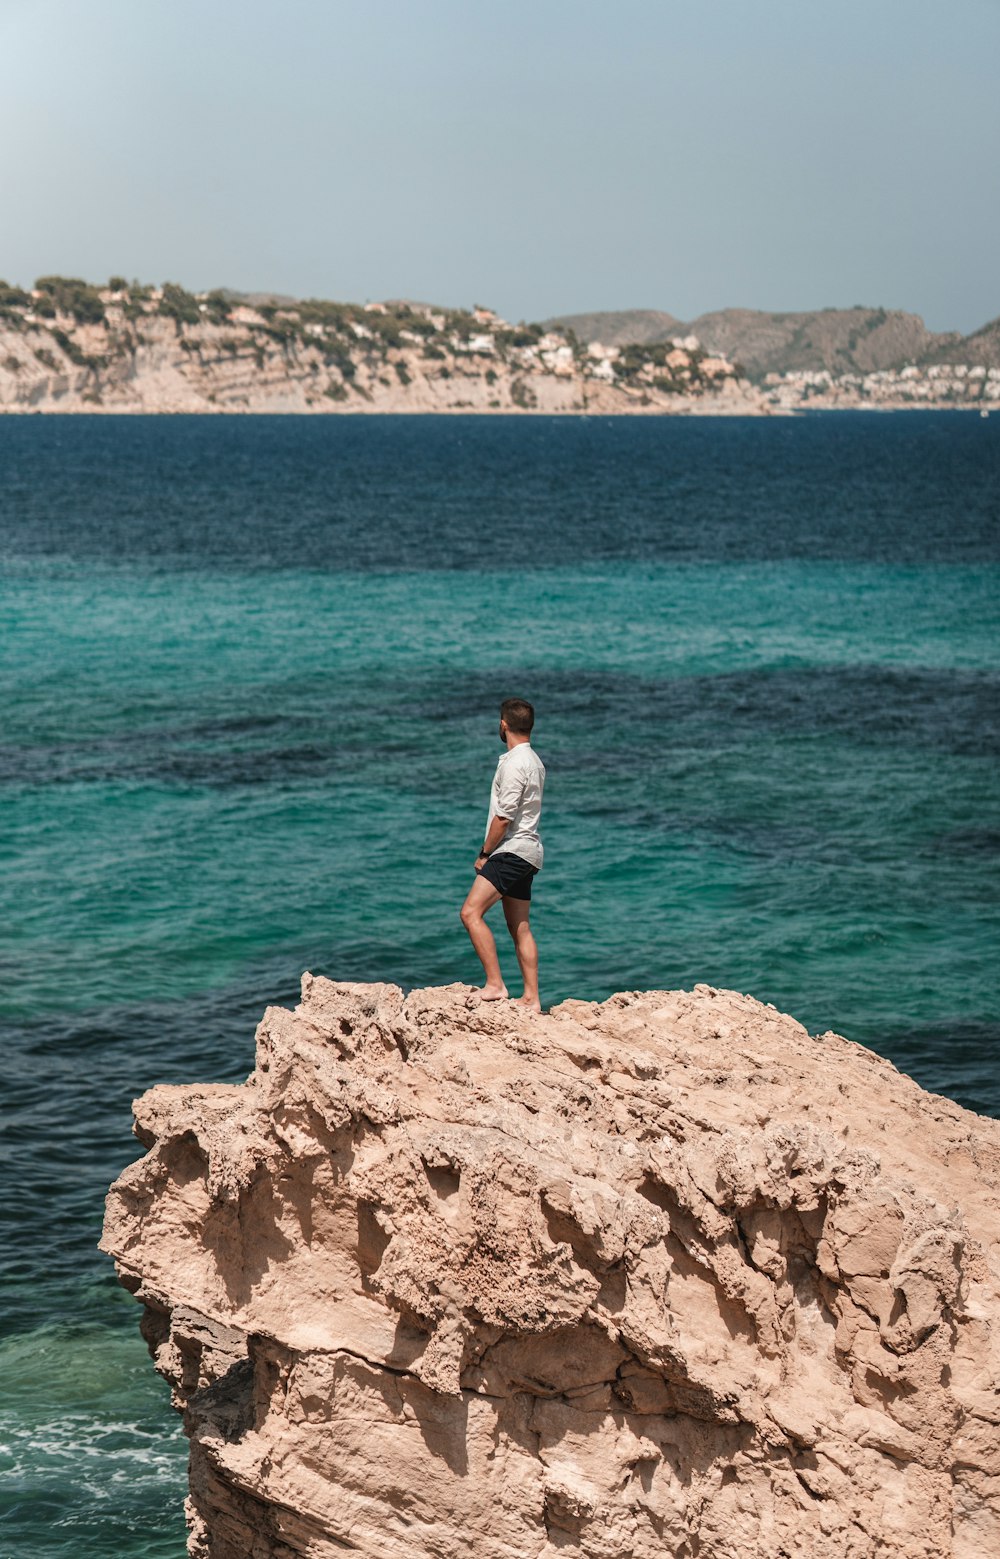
509,874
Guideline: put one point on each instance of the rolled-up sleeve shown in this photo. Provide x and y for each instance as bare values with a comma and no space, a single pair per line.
509,793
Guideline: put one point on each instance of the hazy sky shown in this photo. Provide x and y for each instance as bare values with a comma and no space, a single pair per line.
542,156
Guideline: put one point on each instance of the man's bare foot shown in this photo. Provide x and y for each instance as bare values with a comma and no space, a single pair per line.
488,993
528,1004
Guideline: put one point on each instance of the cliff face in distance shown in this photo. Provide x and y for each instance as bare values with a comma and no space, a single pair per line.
66,346
664,1275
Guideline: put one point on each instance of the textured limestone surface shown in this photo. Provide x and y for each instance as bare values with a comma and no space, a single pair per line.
664,1275
227,368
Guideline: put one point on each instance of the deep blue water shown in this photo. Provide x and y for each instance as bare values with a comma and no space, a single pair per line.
249,673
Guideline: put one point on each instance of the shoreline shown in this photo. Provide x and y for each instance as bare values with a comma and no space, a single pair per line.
81,350
567,413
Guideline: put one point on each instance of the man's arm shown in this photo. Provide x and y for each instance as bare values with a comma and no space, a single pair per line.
494,835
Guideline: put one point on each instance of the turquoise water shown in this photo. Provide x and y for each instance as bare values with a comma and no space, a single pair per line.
250,675
235,767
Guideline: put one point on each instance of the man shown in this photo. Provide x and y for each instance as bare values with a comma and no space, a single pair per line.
510,858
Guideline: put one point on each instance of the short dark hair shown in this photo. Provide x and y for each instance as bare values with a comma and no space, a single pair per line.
519,715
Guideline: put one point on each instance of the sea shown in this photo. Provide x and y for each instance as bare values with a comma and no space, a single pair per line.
250,670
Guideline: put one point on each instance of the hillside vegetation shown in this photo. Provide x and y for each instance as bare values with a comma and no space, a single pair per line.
68,345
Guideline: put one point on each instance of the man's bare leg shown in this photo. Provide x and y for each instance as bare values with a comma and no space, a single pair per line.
481,897
516,912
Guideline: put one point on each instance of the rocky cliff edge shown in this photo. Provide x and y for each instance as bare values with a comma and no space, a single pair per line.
661,1275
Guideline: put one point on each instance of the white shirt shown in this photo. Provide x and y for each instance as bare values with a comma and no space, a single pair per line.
517,795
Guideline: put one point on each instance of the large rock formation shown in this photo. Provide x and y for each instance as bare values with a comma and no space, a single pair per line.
663,1275
118,353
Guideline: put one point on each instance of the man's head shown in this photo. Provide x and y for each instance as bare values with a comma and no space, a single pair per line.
518,716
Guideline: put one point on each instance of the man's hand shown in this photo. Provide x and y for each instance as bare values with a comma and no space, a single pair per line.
494,834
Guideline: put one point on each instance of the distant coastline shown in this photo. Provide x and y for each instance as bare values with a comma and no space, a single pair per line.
67,346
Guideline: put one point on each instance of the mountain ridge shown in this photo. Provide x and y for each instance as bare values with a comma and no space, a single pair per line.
854,340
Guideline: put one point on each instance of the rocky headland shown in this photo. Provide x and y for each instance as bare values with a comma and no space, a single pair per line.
67,346
664,1275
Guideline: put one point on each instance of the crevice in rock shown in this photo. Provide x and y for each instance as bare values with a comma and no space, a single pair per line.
227,1405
